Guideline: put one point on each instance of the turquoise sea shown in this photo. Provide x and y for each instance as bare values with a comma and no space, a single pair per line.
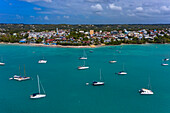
66,87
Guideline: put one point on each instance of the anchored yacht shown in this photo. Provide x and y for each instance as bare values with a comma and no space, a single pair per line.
42,61
144,91
38,95
83,67
99,83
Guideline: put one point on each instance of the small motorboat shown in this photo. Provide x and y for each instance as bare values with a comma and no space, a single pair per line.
83,58
122,73
166,59
91,51
113,61
42,61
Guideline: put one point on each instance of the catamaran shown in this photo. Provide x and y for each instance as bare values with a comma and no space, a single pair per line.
38,95
20,78
144,91
122,72
83,67
42,61
84,57
95,83
1,62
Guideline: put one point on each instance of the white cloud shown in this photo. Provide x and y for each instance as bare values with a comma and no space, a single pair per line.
97,7
113,7
165,8
66,17
139,9
132,14
94,0
37,9
19,17
46,18
153,11
37,0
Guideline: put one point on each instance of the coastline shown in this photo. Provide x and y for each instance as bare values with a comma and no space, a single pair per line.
61,46
43,45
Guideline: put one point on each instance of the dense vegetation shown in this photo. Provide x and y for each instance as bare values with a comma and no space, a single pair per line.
43,27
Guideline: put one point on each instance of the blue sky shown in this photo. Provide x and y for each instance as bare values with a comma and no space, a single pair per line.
85,11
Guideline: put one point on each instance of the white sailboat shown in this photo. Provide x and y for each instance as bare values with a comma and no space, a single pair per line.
20,78
42,61
84,57
164,63
1,62
38,95
112,61
122,72
95,83
83,67
148,91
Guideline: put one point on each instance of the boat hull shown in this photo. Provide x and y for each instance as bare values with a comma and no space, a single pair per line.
98,83
37,96
122,73
42,61
18,78
112,61
2,64
82,68
83,58
145,92
164,64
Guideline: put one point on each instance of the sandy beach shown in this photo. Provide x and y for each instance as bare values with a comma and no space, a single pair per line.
61,46
43,45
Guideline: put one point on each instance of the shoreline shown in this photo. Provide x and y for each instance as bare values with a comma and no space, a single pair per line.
43,45
61,46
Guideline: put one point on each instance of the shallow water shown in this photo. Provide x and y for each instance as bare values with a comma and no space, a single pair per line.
66,88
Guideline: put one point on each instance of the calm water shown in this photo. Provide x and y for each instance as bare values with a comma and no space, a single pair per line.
65,85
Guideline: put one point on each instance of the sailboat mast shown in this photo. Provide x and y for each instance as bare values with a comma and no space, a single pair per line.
19,71
38,84
24,70
149,86
84,62
100,74
85,54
